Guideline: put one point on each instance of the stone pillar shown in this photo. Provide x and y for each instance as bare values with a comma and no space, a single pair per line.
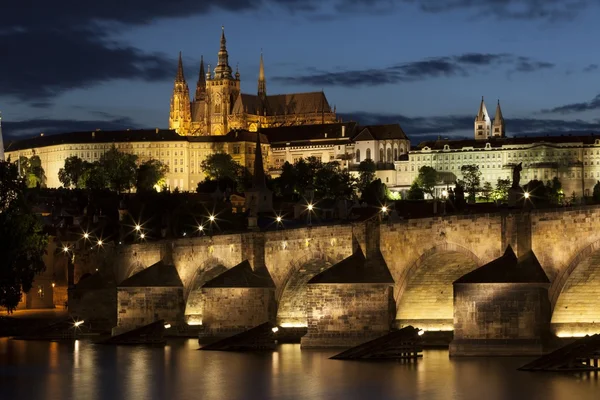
516,232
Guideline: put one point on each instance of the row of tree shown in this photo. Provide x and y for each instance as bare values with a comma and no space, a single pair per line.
114,170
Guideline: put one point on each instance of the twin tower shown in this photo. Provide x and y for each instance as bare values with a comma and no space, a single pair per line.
485,128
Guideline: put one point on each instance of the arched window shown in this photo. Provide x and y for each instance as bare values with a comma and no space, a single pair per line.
396,154
368,154
389,154
358,155
381,155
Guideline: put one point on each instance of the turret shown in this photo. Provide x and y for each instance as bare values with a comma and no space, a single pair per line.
262,83
201,84
180,117
483,124
223,70
498,127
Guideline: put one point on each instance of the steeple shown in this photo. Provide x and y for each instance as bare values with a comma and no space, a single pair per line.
483,124
1,142
201,85
498,128
223,70
262,83
259,180
180,77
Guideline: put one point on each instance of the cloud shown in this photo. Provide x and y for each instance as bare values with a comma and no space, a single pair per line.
460,65
591,68
593,104
458,126
14,130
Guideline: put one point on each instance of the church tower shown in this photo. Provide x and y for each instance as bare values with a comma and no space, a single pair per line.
201,84
498,128
180,117
483,124
262,82
223,89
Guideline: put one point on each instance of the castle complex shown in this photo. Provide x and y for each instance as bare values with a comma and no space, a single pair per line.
219,106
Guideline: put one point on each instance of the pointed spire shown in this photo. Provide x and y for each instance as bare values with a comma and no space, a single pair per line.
259,180
201,85
223,70
498,118
483,113
262,83
237,71
180,77
1,142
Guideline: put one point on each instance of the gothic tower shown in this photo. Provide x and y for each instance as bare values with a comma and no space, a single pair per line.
180,117
201,84
483,124
498,128
223,89
262,83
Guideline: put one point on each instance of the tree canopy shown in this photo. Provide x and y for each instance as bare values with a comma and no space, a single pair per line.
427,179
32,171
119,168
220,165
366,173
73,172
23,244
149,174
471,180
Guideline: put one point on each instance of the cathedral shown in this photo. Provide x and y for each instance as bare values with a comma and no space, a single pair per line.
218,106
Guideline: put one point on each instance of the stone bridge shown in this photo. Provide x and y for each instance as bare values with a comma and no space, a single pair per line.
424,257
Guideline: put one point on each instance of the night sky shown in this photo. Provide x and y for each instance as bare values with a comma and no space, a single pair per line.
79,65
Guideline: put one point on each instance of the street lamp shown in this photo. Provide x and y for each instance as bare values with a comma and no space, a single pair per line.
138,227
384,209
526,195
309,207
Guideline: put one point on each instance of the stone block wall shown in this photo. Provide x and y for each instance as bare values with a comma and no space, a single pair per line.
345,315
139,306
228,311
98,306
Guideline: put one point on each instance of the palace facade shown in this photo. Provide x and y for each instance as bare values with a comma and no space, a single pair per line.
218,105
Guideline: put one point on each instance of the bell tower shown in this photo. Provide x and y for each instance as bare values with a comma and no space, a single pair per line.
498,128
483,124
223,89
180,117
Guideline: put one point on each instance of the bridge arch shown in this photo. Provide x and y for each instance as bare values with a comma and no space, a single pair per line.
210,268
575,295
291,294
424,293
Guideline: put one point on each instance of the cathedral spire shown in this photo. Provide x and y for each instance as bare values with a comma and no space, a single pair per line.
262,82
483,113
259,181
201,85
223,70
180,77
498,118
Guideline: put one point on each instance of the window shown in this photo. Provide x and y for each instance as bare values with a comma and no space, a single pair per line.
381,157
396,154
368,154
389,155
358,155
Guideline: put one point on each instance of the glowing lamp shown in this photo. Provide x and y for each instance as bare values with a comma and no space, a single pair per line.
65,249
275,329
86,235
142,236
444,193
211,218
100,242
384,209
167,326
526,195
278,219
310,207
138,228
78,323
200,228
421,332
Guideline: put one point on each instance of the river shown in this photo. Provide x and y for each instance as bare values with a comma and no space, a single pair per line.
36,370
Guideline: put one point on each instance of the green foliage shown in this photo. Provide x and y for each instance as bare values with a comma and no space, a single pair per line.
332,182
23,244
471,180
73,171
149,174
427,179
554,191
536,189
415,192
500,193
366,173
32,171
459,194
220,165
119,169
487,190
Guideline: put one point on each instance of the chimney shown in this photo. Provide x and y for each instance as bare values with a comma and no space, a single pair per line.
156,130
343,130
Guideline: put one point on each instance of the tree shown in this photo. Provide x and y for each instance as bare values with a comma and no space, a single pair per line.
287,181
415,192
366,173
487,190
427,179
32,171
459,194
72,172
331,182
554,191
220,165
376,193
500,193
119,169
94,177
471,180
149,174
23,244
596,193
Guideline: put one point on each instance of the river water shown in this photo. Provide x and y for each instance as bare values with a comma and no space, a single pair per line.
81,370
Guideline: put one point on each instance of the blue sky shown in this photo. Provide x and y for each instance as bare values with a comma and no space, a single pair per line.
422,63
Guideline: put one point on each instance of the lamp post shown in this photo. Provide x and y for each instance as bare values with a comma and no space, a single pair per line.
310,208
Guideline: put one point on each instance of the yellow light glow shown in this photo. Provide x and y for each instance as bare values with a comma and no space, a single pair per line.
53,284
278,219
65,249
100,242
142,235
310,207
138,227
78,323
421,332
200,228
384,209
194,323
526,195
293,325
444,193
86,235
275,329
167,326
211,218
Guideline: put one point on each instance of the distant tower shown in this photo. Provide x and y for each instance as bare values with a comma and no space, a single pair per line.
259,198
1,142
223,89
180,118
262,83
201,84
483,124
498,128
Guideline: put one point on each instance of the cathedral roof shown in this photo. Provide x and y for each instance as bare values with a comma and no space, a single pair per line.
282,104
320,132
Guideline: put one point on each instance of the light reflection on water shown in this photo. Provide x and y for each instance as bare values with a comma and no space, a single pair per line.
82,370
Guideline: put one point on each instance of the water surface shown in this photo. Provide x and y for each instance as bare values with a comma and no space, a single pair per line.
81,370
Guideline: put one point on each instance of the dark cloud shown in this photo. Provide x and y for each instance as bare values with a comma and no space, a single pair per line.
13,130
593,104
456,126
591,68
460,65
